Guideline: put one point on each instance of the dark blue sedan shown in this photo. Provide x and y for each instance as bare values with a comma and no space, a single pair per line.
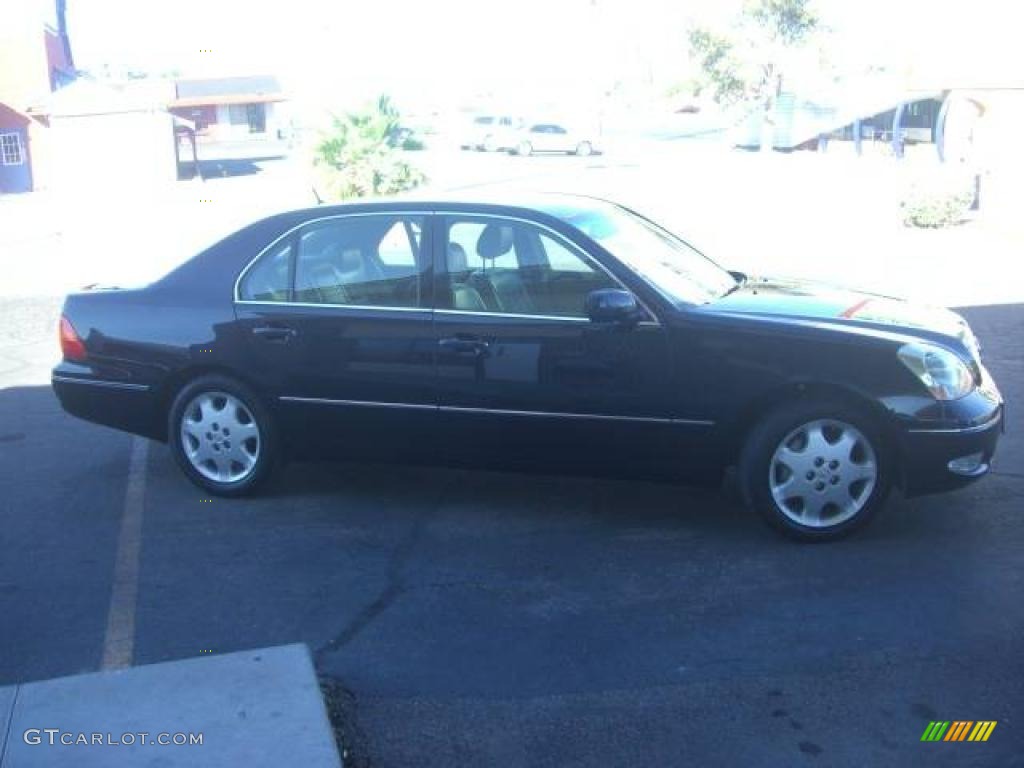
560,334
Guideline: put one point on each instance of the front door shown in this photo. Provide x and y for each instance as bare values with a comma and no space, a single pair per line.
336,320
524,378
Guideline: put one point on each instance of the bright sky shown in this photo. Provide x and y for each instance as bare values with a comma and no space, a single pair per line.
456,48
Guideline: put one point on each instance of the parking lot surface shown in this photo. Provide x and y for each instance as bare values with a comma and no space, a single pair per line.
479,618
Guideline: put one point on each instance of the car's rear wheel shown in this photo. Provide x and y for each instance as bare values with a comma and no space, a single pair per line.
815,469
524,149
490,144
222,436
584,148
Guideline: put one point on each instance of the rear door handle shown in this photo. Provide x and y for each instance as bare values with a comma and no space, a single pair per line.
274,332
464,346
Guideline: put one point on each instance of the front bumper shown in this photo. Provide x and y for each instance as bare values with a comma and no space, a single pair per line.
942,459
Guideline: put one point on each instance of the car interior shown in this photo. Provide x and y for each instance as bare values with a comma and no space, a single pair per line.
360,261
367,261
515,269
496,266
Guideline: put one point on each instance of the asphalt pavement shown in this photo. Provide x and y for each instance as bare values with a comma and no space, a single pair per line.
479,618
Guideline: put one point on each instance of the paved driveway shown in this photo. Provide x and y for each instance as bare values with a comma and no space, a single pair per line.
497,619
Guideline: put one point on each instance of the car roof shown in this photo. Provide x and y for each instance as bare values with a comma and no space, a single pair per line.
558,205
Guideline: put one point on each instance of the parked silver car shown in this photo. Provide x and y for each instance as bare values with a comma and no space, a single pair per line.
553,137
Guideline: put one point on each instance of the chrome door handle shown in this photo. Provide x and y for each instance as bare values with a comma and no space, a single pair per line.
274,332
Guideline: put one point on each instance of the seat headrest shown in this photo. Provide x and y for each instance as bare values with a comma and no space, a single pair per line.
457,259
496,240
349,261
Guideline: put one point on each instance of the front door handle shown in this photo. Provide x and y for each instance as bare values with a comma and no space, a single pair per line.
464,346
274,332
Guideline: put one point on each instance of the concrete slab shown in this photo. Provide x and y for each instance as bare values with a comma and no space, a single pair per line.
253,708
7,696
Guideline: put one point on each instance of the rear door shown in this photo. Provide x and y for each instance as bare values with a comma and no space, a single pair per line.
336,322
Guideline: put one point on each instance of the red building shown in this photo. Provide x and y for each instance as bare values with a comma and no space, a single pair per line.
35,59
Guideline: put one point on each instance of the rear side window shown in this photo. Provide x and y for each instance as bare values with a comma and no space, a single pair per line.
361,261
269,278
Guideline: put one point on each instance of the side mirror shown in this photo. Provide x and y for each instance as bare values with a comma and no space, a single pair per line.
610,305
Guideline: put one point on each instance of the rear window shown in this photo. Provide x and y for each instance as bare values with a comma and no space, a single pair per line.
269,278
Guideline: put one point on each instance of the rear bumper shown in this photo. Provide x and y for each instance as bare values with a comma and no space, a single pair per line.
935,460
121,405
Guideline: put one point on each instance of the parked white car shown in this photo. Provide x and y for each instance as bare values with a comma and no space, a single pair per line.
553,137
492,133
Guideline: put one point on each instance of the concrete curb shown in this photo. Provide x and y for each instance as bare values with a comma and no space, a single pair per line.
254,708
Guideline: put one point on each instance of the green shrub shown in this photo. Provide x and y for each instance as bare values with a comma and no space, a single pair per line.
360,155
937,202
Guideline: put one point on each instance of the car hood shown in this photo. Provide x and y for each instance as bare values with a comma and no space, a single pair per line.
819,303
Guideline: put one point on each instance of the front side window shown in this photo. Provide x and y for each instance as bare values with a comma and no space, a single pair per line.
360,261
503,266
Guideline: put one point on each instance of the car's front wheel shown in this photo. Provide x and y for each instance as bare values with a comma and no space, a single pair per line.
584,149
524,149
815,469
222,436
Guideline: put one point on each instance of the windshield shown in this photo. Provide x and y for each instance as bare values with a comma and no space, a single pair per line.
680,272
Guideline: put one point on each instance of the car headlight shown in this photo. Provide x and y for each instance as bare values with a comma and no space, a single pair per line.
943,374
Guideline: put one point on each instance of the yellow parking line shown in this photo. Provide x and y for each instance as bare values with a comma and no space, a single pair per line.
119,641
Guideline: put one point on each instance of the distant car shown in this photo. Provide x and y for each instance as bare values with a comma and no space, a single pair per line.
492,133
558,333
553,137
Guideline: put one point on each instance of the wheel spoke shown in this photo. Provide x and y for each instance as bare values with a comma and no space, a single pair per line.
816,442
812,510
844,445
865,471
797,461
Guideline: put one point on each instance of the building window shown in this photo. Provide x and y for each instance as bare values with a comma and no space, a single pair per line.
10,149
237,114
252,115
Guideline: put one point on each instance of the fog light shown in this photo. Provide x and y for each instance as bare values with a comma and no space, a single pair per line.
968,465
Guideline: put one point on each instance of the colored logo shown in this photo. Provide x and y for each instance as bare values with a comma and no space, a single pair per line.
959,730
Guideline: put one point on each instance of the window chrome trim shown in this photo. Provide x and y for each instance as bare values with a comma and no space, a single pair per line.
376,307
357,214
477,313
563,240
495,411
100,383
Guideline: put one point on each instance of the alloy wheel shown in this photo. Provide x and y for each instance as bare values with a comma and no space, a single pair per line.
220,437
822,473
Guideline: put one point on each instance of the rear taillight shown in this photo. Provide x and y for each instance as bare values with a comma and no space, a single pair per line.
70,344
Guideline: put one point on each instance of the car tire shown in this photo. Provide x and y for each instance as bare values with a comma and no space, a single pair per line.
524,149
584,149
815,469
222,436
490,144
